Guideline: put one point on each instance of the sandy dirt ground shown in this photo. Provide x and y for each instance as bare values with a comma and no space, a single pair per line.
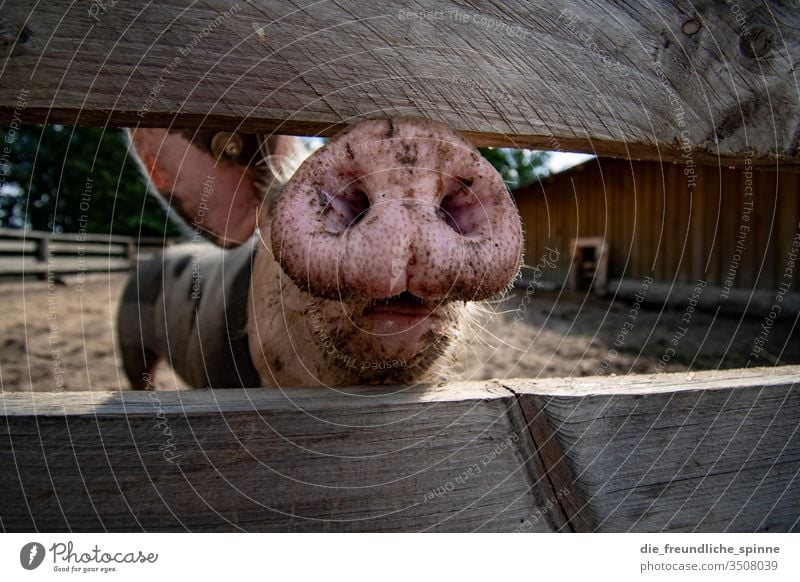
63,338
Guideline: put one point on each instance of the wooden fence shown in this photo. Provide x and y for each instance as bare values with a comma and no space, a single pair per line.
712,451
30,252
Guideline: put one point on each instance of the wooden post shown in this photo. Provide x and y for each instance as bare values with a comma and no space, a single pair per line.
132,253
43,256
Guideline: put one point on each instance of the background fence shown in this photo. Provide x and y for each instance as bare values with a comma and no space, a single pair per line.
31,252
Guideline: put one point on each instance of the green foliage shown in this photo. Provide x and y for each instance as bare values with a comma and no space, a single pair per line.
62,179
518,167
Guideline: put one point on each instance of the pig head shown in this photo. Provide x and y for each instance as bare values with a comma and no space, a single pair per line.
359,269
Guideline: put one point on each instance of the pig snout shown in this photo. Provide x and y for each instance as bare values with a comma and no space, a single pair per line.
404,210
359,269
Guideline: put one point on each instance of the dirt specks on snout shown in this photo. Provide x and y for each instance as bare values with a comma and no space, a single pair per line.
408,154
401,244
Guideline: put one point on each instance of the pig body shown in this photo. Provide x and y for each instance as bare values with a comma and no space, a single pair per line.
361,271
188,306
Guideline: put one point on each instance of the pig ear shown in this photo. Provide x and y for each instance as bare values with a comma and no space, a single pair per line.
283,154
218,196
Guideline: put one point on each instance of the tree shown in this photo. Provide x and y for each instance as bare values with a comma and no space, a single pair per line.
518,167
65,179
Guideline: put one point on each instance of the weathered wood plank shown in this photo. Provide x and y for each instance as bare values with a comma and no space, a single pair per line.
661,81
17,246
33,235
712,451
556,480
61,265
298,460
88,248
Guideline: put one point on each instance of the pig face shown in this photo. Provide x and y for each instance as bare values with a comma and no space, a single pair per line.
369,256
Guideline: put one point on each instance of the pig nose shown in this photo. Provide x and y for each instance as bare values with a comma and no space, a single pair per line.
387,242
403,205
376,253
375,245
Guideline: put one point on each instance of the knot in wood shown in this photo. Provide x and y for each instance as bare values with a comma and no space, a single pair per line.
691,27
758,43
10,34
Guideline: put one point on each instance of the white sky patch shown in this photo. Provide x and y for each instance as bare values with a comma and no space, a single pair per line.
560,161
313,143
10,190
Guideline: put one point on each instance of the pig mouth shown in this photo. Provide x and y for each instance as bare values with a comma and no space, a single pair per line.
390,340
405,306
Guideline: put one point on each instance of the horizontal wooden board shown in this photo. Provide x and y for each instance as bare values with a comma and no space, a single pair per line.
17,246
664,81
35,235
87,248
62,265
255,460
711,451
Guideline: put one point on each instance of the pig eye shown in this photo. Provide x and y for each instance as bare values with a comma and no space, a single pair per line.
345,208
463,211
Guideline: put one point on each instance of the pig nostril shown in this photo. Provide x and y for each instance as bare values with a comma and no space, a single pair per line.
345,209
359,204
463,213
447,211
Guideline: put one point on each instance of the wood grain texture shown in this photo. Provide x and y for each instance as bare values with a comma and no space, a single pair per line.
711,451
556,482
648,222
615,79
264,460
